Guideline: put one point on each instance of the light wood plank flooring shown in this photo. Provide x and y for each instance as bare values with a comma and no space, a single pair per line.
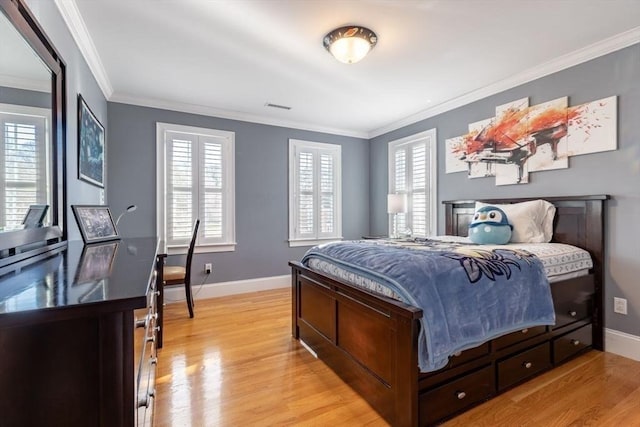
235,364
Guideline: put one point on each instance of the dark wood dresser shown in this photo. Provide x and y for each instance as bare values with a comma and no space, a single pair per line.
78,335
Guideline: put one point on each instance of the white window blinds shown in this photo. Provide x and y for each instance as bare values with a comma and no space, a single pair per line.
198,179
24,162
412,171
314,192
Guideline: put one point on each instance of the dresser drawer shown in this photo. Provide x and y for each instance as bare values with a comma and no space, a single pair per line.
523,365
460,394
468,355
573,300
518,336
146,336
571,343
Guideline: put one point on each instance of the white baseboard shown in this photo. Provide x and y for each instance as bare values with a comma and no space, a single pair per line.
212,290
621,343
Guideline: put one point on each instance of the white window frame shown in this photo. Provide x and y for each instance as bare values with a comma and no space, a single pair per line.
39,114
430,137
295,239
229,243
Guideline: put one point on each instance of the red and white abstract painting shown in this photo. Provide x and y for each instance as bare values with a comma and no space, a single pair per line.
521,139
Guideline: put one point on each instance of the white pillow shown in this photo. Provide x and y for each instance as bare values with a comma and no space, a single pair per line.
532,221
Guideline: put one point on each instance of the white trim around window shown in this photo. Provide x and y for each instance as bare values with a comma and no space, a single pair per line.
25,159
200,183
315,192
413,170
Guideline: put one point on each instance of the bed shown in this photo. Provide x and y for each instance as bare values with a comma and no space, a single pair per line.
371,341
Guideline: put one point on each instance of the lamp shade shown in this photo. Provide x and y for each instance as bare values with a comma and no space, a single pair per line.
396,203
350,44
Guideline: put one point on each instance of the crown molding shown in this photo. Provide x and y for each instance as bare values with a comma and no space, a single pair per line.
595,50
71,15
232,115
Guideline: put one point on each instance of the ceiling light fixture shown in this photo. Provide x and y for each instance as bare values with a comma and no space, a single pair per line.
350,44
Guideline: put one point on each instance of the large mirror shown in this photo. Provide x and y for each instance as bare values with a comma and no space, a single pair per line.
32,134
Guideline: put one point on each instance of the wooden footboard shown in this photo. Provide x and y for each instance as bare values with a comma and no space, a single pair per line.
371,341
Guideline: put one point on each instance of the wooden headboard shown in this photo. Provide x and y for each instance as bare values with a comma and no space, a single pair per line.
579,221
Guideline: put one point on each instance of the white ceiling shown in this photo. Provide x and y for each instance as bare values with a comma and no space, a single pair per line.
230,57
20,66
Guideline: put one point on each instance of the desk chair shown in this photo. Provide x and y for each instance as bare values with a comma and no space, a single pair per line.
178,275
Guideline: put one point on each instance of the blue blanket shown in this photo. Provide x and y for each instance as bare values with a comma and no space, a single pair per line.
469,294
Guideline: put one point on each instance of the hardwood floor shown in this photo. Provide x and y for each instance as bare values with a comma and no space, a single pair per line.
236,364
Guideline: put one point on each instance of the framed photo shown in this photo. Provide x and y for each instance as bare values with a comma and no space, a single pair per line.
90,146
35,215
95,222
96,262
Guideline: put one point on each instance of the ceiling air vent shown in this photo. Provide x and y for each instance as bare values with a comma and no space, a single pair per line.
282,107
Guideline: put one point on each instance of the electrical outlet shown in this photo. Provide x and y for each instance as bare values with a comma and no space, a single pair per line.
208,268
620,305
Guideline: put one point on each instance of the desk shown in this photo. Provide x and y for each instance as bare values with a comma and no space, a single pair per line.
67,334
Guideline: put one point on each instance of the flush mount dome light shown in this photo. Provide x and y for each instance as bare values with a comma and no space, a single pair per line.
350,44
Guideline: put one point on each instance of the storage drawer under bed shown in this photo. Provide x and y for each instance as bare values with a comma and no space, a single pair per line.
521,366
457,395
573,300
571,343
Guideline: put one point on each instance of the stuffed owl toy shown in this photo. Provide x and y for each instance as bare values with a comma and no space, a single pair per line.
490,227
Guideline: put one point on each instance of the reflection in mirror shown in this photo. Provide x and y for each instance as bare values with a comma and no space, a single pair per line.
35,216
32,137
26,139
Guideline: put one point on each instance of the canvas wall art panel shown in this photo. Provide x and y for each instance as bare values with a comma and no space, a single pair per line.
476,151
547,128
452,162
522,139
593,127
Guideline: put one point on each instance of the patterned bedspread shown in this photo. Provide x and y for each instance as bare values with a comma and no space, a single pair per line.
469,294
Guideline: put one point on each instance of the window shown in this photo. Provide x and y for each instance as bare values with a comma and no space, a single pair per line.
195,176
25,162
413,171
315,211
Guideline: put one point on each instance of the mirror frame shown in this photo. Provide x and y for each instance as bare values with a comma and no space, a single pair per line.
55,235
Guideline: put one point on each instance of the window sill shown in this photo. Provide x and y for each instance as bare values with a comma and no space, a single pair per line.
311,242
201,249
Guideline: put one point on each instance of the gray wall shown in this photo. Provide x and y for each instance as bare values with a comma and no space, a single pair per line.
79,80
616,173
261,187
29,98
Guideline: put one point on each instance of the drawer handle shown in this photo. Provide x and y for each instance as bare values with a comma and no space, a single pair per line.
575,342
457,354
461,395
144,403
141,323
527,365
573,313
525,330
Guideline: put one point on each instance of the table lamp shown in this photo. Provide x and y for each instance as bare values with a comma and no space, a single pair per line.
396,203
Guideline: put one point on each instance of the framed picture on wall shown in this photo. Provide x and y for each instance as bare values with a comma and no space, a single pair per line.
90,146
95,223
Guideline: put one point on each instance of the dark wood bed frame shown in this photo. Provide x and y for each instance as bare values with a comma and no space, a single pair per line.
371,341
